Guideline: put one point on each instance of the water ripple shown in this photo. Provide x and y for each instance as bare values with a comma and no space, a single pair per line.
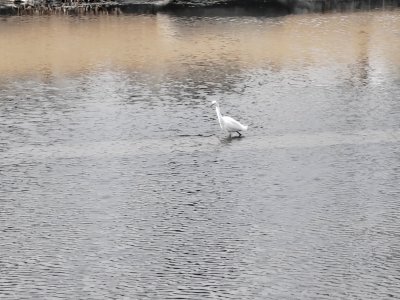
117,183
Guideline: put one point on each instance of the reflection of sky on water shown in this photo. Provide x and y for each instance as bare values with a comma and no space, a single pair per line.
118,183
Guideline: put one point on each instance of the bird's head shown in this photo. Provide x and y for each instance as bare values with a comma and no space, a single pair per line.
214,103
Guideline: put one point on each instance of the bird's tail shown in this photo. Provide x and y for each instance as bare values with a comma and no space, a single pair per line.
245,127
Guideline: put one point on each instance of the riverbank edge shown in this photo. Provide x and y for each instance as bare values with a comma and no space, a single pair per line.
232,8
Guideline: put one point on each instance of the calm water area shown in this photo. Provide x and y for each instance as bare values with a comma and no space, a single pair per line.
116,181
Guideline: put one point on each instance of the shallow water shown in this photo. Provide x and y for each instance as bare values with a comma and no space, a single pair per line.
117,183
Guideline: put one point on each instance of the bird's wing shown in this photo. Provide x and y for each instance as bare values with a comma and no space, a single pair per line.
231,124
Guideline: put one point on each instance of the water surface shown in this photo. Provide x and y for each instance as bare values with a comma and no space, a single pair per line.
117,183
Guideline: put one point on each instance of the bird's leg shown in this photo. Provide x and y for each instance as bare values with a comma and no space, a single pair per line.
239,133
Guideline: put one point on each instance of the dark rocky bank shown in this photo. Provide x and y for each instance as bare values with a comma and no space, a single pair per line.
189,8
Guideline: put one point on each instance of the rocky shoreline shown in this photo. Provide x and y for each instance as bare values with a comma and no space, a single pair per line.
233,7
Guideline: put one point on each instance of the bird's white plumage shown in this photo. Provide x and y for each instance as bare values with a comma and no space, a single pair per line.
231,125
227,123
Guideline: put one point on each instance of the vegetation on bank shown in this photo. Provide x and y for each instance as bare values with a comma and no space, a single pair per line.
228,7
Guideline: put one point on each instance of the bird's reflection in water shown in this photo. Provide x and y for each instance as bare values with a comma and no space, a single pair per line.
226,140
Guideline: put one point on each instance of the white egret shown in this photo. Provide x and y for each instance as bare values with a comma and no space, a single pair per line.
228,124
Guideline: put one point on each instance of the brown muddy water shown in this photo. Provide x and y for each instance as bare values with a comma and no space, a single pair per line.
117,182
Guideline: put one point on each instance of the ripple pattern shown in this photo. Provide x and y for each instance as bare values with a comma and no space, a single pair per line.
116,182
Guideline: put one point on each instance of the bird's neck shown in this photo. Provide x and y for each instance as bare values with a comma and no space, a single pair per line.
219,115
218,111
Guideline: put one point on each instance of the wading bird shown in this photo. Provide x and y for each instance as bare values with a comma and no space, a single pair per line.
228,124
